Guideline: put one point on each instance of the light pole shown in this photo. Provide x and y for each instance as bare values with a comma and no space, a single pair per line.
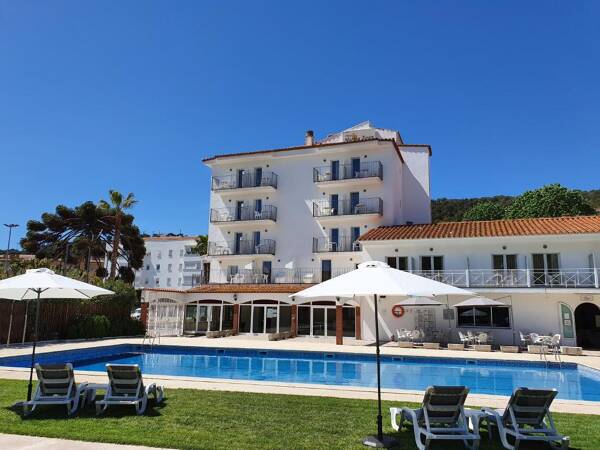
10,226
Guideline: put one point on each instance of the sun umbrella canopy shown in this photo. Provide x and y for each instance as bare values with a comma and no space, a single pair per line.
377,278
479,301
49,285
419,301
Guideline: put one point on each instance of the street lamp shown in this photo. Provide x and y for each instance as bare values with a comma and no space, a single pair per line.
10,226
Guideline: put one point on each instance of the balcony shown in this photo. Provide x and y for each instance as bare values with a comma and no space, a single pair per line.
347,207
343,244
242,247
275,276
364,173
251,181
516,278
224,216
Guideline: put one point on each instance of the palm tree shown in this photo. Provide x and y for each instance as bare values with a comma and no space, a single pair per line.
117,207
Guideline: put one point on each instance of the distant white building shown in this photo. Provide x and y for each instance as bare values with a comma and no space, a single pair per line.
170,263
285,218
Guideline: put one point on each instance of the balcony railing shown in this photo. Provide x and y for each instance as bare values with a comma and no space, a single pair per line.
225,215
516,278
343,244
346,207
194,269
366,169
275,276
242,247
246,180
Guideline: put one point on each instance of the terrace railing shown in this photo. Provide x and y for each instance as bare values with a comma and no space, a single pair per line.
366,169
242,247
343,244
274,276
225,215
516,278
345,207
246,180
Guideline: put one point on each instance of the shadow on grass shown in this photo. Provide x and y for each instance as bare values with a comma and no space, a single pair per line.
58,412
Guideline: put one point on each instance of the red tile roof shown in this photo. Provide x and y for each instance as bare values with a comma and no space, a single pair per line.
487,228
302,147
238,289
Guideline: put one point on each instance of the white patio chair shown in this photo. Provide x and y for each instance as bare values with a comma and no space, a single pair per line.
126,387
442,416
526,418
56,386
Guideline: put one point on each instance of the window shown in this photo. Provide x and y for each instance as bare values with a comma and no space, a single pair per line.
398,262
180,267
178,281
168,282
170,268
147,266
484,316
170,253
432,263
157,282
158,267
146,281
181,252
504,262
149,254
159,255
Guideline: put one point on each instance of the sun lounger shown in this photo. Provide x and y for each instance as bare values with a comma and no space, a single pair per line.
56,386
526,418
442,416
126,387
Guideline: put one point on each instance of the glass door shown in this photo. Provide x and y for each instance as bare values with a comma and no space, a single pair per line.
189,321
318,322
258,319
330,321
271,319
214,318
202,324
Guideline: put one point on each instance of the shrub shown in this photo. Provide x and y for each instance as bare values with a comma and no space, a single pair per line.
127,327
90,327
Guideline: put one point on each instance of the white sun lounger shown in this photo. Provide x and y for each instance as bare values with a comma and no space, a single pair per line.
526,418
126,387
441,417
56,386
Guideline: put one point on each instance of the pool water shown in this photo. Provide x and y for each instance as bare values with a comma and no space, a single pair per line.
573,381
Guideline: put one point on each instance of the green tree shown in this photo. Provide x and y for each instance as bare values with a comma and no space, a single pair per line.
115,208
201,247
484,211
552,200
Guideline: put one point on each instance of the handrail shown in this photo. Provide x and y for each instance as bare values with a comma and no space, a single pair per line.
366,169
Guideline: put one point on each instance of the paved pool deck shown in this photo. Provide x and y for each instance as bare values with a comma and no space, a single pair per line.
19,442
590,359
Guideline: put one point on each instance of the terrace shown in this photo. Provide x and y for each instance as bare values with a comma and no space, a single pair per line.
348,207
257,180
356,172
242,247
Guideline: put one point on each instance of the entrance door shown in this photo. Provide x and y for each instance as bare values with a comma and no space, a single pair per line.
354,201
587,325
335,170
258,319
214,318
239,207
189,321
355,167
271,319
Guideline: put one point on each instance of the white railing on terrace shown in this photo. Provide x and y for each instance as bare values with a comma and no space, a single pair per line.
275,276
516,278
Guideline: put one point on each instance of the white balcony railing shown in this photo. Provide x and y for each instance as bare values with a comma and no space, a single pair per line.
516,278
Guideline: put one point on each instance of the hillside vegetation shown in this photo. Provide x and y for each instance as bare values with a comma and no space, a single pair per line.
454,209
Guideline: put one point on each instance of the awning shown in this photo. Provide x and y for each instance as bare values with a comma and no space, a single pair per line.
479,301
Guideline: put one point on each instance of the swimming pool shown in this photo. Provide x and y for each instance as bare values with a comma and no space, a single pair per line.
573,381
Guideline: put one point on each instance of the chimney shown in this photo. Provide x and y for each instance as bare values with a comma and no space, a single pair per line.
309,138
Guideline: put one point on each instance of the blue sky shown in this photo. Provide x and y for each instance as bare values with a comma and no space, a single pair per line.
132,95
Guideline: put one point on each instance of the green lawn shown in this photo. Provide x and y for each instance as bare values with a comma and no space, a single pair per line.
193,419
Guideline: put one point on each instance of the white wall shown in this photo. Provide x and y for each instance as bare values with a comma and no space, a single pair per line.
149,273
296,226
416,196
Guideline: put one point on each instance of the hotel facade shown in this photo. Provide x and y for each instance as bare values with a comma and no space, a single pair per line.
283,219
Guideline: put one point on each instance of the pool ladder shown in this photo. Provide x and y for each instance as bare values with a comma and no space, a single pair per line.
151,338
554,350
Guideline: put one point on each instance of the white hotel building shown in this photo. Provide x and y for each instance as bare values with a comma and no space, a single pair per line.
283,219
